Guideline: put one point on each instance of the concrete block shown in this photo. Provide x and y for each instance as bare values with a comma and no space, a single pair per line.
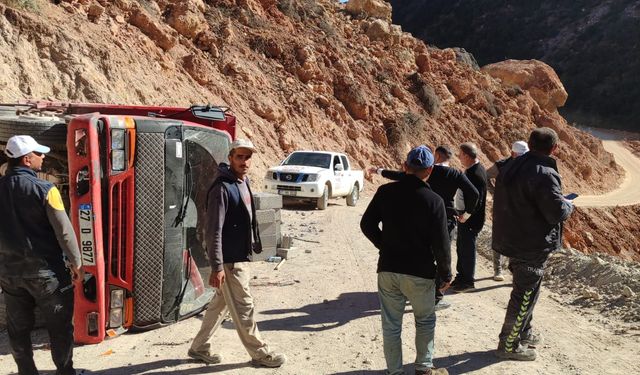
286,253
269,228
286,242
265,216
266,253
265,201
269,240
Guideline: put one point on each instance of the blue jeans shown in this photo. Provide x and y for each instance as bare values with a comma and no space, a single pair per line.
394,289
55,301
466,249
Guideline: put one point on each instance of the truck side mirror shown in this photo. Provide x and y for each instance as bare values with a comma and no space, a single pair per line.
338,168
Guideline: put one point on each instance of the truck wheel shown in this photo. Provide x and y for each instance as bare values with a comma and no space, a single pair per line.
323,201
353,197
49,131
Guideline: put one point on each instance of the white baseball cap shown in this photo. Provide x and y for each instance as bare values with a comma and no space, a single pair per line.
20,145
520,147
243,143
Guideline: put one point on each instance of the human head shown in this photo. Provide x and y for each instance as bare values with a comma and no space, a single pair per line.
543,140
443,154
519,148
468,154
23,150
240,157
419,162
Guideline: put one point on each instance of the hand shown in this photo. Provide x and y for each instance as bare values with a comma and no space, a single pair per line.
372,170
444,286
216,279
77,273
461,218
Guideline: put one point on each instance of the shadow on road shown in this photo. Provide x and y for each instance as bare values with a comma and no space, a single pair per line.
324,315
165,366
467,362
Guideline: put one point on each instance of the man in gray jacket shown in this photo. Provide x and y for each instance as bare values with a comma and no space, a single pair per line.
528,212
231,236
39,257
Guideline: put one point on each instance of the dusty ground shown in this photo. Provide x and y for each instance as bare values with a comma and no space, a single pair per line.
321,309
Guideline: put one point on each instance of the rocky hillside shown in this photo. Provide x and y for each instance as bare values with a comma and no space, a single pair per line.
593,45
298,74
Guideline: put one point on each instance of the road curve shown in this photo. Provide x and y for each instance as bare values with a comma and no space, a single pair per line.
628,193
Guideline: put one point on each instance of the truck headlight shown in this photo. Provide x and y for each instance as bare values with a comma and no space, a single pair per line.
117,298
117,139
312,177
271,176
117,160
115,317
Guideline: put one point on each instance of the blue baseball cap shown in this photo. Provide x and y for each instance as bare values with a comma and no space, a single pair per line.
420,157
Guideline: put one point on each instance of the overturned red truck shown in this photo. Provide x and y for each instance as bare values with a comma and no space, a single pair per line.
137,178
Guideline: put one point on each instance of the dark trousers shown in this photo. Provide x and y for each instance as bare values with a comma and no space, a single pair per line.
451,225
527,278
55,301
466,250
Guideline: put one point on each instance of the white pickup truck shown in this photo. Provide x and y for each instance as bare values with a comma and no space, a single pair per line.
317,176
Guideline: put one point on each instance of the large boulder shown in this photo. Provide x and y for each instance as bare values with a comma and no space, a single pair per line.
538,78
370,8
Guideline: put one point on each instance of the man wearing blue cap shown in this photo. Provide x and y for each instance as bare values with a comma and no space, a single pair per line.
35,238
414,249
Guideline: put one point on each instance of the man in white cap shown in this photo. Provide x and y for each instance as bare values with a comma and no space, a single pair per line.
39,257
231,236
518,148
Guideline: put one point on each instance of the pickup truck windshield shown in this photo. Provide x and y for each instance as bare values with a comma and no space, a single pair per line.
309,159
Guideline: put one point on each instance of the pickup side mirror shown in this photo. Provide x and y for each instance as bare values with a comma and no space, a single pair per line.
338,168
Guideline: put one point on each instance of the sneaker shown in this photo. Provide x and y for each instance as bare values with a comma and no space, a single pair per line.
270,360
461,288
205,357
433,371
498,277
441,305
520,353
532,339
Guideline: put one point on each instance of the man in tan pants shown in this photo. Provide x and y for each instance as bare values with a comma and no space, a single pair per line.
231,236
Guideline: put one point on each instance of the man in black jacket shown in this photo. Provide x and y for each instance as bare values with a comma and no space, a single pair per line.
413,236
231,236
471,221
444,181
528,213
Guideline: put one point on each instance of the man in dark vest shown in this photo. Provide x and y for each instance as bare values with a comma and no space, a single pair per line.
35,238
528,212
231,235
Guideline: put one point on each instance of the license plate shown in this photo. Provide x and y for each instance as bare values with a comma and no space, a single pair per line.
87,242
287,192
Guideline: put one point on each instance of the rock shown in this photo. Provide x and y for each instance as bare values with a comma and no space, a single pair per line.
156,31
588,237
460,88
591,294
187,18
95,11
197,68
423,62
370,8
380,30
466,58
538,78
627,292
350,94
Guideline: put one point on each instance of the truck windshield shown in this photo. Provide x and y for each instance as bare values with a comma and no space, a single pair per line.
309,159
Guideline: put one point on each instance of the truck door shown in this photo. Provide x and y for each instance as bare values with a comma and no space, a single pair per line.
339,179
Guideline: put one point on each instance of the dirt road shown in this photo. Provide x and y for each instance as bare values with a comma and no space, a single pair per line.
628,192
321,309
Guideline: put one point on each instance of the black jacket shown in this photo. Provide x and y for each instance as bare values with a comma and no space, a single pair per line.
414,229
478,177
445,181
231,233
528,208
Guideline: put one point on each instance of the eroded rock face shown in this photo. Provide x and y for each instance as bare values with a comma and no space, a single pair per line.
187,18
371,8
534,76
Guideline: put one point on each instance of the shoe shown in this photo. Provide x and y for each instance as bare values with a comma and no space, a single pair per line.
498,277
270,360
461,288
519,353
441,305
205,357
532,339
433,371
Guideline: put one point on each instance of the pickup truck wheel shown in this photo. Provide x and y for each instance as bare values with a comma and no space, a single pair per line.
323,201
353,197
49,131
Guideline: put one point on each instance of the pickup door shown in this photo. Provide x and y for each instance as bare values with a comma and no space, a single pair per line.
345,177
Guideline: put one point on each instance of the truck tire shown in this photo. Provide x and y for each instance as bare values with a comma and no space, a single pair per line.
353,197
49,131
323,201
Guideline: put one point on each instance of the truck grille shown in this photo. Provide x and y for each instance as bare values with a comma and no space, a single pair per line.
289,177
149,232
290,188
120,195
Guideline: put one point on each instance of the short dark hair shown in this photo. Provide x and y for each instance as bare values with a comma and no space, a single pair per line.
469,149
543,140
445,151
